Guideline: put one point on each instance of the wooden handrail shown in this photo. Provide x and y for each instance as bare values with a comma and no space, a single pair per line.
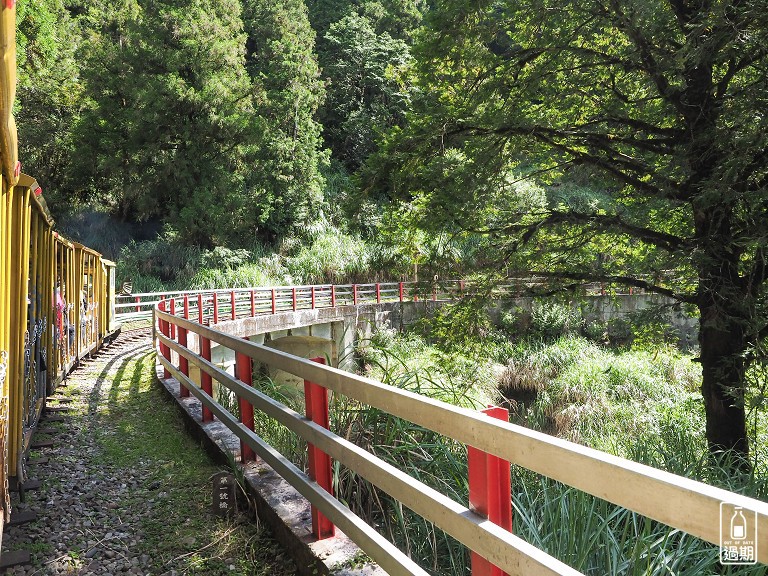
502,548
327,295
688,505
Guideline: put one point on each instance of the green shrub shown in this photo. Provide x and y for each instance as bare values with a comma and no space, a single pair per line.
170,262
550,320
331,257
221,257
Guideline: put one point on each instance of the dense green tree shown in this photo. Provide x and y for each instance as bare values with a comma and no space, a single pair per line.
194,120
284,187
366,92
363,48
160,92
399,18
48,93
644,123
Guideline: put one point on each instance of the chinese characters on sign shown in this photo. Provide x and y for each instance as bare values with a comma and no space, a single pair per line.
224,495
738,535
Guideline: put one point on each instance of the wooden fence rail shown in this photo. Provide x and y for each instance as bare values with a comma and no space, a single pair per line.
681,503
140,305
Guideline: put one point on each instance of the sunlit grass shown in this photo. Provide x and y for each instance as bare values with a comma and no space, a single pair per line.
139,432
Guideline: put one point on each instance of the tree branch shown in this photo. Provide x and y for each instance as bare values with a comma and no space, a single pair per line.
605,222
617,279
650,66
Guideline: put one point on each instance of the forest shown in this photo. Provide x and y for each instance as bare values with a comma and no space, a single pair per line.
256,142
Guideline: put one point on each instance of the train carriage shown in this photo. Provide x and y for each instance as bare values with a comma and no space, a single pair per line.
56,296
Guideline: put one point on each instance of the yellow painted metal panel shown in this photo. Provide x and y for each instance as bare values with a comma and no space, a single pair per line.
4,327
20,275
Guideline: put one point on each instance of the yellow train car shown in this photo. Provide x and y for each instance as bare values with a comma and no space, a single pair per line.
11,210
56,296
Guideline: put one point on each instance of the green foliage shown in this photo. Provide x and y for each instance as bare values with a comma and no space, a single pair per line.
399,18
164,133
330,257
327,255
637,121
165,259
651,328
454,327
49,94
366,93
221,257
284,192
576,389
200,115
550,320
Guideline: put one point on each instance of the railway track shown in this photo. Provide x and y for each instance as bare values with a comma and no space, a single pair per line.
110,501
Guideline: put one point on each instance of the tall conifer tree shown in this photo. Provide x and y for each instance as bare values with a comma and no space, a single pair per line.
285,187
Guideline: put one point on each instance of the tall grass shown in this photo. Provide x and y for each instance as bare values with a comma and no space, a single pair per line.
605,398
640,405
331,257
328,255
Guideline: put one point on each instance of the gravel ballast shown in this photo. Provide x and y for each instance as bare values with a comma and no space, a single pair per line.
124,490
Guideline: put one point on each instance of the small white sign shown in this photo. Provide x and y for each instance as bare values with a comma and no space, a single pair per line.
738,535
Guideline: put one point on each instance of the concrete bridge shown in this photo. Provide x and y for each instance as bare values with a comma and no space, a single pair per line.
330,333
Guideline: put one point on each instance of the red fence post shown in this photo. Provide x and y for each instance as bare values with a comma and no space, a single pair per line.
333,296
378,293
186,307
274,302
205,379
164,349
253,303
138,301
400,289
244,366
234,304
320,469
183,362
215,308
173,313
490,492
199,308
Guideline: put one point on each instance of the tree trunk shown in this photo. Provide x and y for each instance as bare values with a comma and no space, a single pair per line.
722,342
726,313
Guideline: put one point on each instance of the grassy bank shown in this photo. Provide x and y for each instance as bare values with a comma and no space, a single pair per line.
328,254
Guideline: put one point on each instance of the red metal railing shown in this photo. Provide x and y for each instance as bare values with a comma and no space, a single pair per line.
214,306
489,465
319,463
136,306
